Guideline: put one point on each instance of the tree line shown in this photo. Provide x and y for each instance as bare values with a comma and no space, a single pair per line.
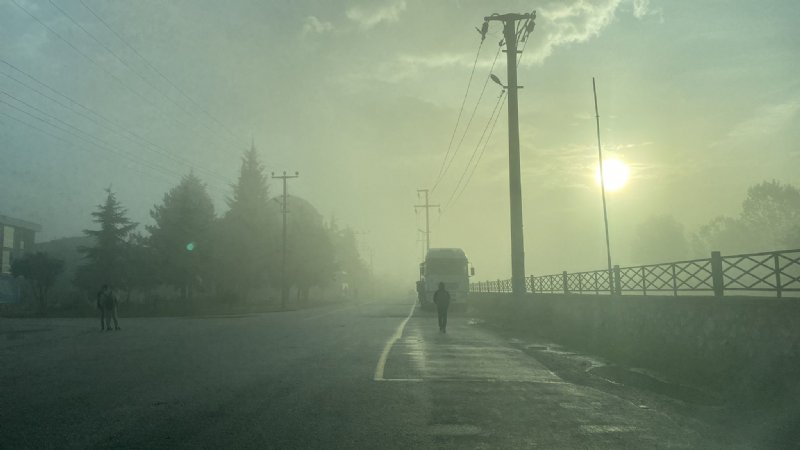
769,219
190,249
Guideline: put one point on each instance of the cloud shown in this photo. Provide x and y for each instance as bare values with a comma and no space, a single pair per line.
766,121
368,17
565,24
641,8
314,25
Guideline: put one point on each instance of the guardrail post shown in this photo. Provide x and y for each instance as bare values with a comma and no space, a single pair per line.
617,281
674,281
564,282
778,286
717,279
499,286
533,286
644,280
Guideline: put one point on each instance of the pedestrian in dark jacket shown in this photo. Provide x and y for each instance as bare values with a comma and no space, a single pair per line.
442,299
101,305
107,302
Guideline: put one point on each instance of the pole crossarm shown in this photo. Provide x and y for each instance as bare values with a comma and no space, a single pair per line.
510,16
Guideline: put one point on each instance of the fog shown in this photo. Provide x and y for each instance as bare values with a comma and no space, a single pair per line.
698,100
246,189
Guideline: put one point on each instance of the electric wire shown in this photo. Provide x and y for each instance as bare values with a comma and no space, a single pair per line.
483,150
495,112
104,122
154,171
154,175
94,62
121,60
161,74
474,110
458,120
527,28
77,135
84,136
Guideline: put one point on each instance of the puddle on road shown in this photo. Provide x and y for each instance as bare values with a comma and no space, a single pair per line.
595,429
453,429
642,379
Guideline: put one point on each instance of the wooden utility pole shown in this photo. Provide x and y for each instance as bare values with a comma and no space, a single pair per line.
284,211
511,34
427,207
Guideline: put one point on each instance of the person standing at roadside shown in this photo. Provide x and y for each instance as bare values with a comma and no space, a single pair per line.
101,305
110,306
442,299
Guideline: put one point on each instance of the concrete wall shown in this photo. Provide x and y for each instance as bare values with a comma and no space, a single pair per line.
728,343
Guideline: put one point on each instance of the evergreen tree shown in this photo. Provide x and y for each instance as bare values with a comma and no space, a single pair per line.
107,259
245,251
310,253
181,234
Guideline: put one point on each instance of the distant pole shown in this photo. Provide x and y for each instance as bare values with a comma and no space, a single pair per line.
603,191
284,211
427,207
511,32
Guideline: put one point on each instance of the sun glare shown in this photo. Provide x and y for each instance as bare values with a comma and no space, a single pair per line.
615,173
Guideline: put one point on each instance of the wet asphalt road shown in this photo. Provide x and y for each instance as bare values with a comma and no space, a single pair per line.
307,379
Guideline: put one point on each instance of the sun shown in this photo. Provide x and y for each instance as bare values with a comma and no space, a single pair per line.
615,173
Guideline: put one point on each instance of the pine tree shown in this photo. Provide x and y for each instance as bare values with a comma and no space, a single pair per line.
245,251
181,234
108,257
251,192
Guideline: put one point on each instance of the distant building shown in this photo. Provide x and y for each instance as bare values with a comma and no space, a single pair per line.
16,237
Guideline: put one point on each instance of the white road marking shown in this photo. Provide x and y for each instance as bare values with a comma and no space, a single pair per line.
389,344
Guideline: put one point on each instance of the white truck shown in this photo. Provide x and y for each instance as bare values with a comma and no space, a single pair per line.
449,266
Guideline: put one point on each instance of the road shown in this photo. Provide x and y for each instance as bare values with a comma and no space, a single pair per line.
354,376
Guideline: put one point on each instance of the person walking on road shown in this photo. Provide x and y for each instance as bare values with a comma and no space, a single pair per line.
442,299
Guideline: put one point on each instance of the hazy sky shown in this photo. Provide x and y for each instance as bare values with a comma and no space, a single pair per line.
700,99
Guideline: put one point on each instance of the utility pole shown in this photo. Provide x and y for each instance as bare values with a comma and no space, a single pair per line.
427,207
611,286
511,33
284,211
421,241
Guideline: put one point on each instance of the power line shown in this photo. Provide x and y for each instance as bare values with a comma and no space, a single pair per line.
156,70
84,136
119,58
78,136
521,33
474,110
480,155
458,120
477,147
93,61
161,176
121,131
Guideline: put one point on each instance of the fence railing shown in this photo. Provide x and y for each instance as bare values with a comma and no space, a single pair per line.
775,272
